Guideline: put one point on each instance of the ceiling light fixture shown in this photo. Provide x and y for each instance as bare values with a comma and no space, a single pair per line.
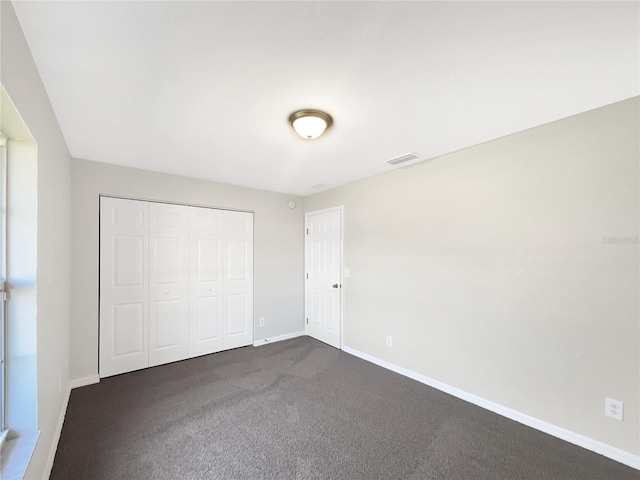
310,124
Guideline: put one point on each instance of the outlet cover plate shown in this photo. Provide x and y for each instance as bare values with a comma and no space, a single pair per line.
613,408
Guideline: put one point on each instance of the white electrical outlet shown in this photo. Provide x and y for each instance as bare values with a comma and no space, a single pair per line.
262,321
613,408
346,273
389,341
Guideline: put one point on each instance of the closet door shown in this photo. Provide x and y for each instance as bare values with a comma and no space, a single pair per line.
221,286
206,327
175,282
168,283
123,286
238,279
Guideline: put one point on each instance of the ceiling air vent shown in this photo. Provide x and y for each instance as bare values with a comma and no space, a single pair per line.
404,158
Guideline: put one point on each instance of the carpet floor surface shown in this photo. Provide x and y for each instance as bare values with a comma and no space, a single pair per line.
299,409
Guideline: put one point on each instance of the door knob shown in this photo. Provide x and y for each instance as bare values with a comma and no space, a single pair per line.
335,285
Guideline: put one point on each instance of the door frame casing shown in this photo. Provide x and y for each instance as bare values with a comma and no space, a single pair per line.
339,209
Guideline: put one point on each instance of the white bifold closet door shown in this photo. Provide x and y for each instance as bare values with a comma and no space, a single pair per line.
221,294
124,286
175,282
168,283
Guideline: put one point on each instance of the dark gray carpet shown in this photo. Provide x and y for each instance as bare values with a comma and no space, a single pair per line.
300,409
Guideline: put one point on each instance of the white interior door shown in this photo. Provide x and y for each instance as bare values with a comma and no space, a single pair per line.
206,279
323,287
123,286
238,280
168,283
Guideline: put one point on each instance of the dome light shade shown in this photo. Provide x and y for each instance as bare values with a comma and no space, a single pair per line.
310,124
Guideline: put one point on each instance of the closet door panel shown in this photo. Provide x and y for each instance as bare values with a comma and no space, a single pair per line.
168,283
123,286
237,311
206,254
208,313
238,282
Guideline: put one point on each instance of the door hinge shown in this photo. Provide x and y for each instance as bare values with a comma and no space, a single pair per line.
5,296
307,231
307,276
307,321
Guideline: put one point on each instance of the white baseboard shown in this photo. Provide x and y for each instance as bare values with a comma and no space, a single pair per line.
82,382
56,434
279,338
613,453
78,382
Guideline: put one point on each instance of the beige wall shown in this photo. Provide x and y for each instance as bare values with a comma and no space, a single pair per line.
278,247
22,82
496,272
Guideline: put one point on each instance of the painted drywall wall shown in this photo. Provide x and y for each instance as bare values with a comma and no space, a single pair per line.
278,247
508,270
21,80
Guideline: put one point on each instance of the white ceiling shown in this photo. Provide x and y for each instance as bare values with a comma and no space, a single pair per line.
204,89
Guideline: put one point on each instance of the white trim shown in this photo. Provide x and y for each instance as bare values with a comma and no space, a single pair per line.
172,202
78,382
57,432
17,453
278,338
342,286
596,446
4,290
82,382
325,210
3,437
